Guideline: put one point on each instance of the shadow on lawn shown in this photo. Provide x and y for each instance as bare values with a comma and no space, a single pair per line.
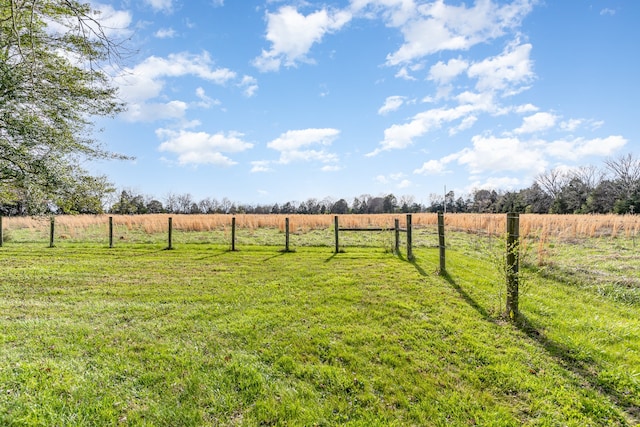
465,296
586,370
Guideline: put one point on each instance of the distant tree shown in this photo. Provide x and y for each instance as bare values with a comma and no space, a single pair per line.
574,196
449,201
340,207
184,203
462,205
536,200
436,202
626,171
129,203
154,206
389,203
552,181
484,201
375,205
288,208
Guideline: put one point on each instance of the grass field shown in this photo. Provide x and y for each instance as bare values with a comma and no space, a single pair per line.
199,335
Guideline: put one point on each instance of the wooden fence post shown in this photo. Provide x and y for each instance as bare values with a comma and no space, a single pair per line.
110,231
52,231
396,226
336,232
409,239
441,244
286,231
170,233
233,234
513,249
1,232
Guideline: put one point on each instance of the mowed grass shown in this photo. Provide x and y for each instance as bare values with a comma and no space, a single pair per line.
199,335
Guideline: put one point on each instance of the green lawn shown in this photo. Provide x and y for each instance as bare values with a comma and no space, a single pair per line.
138,335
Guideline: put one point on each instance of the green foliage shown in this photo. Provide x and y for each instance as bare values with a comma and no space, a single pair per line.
51,85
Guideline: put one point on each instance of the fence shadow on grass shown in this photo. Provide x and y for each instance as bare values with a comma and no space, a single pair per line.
585,369
451,281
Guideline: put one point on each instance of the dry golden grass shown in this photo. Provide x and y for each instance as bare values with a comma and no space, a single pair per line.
541,226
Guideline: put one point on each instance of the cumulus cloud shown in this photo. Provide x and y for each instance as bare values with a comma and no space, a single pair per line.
146,80
165,33
400,136
152,111
577,148
443,73
198,148
143,85
160,5
537,122
431,167
260,166
249,86
293,34
435,26
495,154
392,103
508,72
295,145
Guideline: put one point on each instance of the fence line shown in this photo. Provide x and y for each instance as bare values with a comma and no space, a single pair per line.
512,245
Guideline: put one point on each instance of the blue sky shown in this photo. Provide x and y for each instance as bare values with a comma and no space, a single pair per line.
273,101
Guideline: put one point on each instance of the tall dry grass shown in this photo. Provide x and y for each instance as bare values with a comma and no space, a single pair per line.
542,226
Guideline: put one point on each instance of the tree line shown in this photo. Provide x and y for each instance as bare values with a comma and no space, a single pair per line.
612,189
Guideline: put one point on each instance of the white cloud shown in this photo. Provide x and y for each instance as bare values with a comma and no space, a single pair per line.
165,33
205,101
506,72
249,86
392,103
526,108
571,124
405,183
607,11
443,73
537,123
114,23
147,80
490,153
402,136
580,147
432,167
403,73
294,145
260,166
201,147
160,5
465,124
292,35
435,26
149,112
395,12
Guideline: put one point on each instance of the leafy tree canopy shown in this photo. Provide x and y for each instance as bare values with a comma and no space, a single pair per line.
52,84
